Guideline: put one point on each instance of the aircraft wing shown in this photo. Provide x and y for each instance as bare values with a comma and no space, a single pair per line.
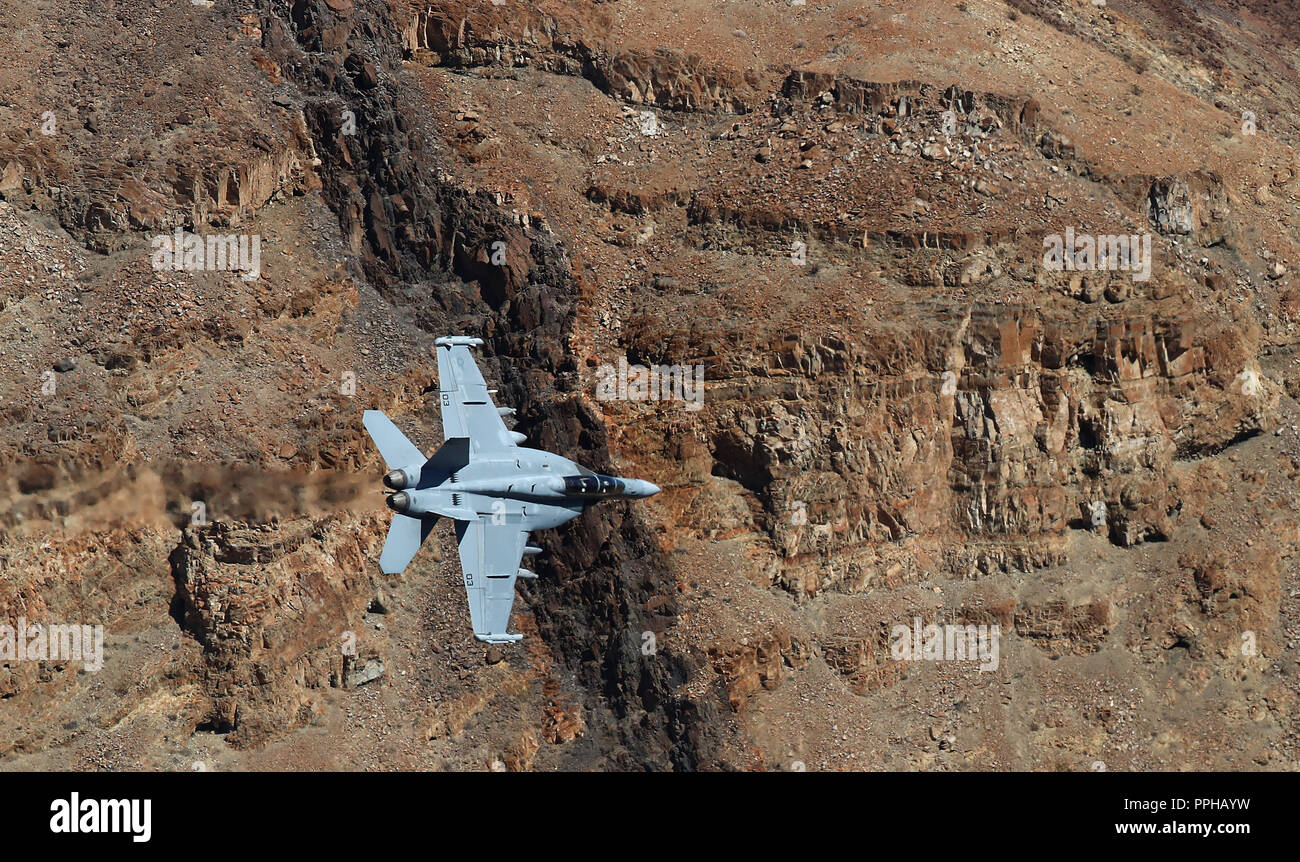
467,408
489,562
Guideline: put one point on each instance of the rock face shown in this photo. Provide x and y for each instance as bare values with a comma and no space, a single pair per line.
465,35
838,220
271,609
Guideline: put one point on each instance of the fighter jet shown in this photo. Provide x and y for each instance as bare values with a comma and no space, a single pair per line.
482,478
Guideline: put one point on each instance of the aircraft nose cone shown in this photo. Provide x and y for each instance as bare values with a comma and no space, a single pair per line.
642,488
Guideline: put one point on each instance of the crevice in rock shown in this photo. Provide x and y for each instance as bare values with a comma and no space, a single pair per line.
413,228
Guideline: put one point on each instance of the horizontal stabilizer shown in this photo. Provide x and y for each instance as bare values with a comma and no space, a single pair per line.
397,451
405,535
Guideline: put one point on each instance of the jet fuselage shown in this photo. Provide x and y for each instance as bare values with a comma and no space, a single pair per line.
542,489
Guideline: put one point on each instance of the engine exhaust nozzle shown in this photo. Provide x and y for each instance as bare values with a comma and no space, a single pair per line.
397,480
399,502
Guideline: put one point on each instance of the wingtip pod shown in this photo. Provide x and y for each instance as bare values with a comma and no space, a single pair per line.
458,340
499,639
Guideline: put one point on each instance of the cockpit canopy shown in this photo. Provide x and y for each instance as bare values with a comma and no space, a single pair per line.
591,484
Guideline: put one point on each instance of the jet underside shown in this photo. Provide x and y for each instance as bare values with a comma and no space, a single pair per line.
495,490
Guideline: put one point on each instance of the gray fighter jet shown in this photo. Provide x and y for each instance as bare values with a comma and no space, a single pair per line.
494,489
